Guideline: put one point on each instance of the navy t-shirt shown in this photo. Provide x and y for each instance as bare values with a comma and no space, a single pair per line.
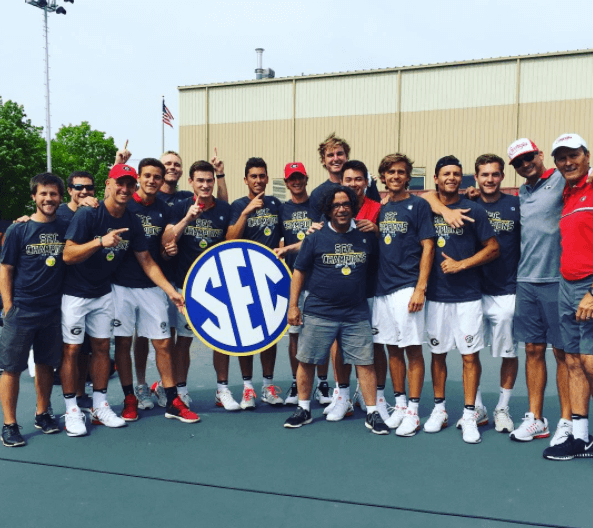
458,243
65,212
208,229
402,226
295,220
92,277
338,264
499,277
35,250
316,199
154,218
262,225
175,198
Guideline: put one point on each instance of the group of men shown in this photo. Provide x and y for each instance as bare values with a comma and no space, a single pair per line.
462,271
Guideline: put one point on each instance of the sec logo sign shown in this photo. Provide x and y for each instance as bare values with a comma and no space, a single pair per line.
236,297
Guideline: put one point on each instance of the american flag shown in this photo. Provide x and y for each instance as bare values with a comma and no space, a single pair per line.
167,116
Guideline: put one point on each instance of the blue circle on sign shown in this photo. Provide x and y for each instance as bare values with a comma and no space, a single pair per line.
236,297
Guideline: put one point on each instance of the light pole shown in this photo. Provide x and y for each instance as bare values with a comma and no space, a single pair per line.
48,6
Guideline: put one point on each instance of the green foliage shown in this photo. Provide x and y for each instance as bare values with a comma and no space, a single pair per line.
22,156
79,148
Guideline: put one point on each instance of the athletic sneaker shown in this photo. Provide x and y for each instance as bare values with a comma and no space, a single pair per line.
47,423
292,395
382,408
179,411
224,398
322,393
130,410
185,398
530,429
563,431
375,423
503,422
75,422
342,408
299,418
270,394
437,421
397,415
11,436
469,427
248,400
142,392
571,448
331,406
481,418
410,424
84,402
159,391
104,415
358,400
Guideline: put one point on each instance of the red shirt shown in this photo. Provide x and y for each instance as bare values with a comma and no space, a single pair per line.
576,231
369,211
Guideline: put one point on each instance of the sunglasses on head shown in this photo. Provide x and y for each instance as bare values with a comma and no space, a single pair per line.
80,187
526,157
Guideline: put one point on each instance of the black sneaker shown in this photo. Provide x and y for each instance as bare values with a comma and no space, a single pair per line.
571,448
292,395
375,423
47,423
322,393
11,436
299,418
84,402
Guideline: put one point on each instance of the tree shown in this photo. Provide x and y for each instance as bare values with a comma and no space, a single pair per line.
22,156
79,148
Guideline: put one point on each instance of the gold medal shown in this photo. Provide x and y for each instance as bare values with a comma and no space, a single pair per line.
346,271
387,239
203,244
110,256
441,242
301,235
50,261
267,231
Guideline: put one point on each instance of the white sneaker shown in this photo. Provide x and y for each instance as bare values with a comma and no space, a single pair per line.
469,427
248,400
503,422
530,429
75,422
563,430
331,406
292,395
382,408
270,394
397,416
142,393
224,398
322,394
358,400
159,391
481,417
104,415
437,421
342,408
185,398
410,425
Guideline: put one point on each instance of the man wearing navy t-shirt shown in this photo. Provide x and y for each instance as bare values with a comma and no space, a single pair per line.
97,241
454,307
31,279
255,217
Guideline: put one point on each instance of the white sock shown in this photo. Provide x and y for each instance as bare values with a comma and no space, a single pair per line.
70,404
345,392
248,384
580,429
371,409
468,413
182,390
440,406
479,402
267,382
401,401
305,404
413,406
504,398
380,394
98,399
220,387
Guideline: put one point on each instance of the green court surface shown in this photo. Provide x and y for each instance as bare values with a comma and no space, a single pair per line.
244,469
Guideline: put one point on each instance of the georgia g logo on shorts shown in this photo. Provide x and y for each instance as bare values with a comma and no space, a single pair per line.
236,297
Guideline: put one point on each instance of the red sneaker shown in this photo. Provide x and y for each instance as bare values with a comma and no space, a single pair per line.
130,412
181,412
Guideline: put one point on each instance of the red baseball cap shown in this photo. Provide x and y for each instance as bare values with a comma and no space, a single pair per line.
291,168
120,170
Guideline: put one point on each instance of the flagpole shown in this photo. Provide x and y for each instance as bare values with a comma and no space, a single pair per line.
163,125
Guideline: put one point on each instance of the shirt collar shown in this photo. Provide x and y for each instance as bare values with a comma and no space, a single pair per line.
352,226
577,186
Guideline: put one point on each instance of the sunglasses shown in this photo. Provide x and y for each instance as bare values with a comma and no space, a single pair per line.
80,187
526,157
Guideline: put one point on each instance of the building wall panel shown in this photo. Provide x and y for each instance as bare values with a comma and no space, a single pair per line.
192,147
192,107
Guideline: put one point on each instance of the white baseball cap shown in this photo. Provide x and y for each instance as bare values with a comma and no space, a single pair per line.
520,147
573,141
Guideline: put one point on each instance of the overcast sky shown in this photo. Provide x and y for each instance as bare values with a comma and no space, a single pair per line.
111,61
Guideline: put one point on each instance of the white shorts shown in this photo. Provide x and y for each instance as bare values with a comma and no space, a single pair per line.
393,324
454,325
91,316
182,327
141,308
499,311
297,329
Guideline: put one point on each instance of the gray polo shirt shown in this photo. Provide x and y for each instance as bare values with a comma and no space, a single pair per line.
541,207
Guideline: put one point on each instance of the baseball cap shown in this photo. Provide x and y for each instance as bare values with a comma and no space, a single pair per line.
520,147
573,141
445,161
291,168
120,170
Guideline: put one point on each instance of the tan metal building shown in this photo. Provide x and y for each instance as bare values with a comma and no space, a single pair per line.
465,108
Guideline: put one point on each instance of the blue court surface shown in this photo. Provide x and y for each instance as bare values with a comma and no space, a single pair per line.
244,469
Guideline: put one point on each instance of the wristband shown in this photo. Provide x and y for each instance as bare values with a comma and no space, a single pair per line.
101,241
218,176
